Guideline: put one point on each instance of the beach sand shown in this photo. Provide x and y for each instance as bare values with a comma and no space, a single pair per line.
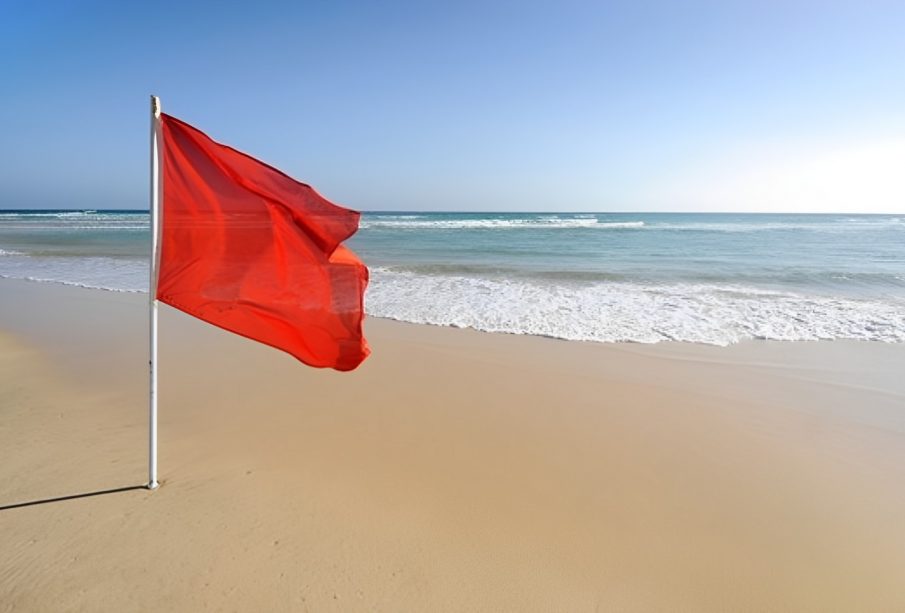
454,471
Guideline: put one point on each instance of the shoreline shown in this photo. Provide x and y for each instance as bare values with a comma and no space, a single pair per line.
666,342
455,470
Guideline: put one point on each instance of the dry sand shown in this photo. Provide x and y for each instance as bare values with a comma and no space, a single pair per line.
454,471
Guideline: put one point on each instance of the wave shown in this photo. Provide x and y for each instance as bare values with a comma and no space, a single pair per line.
836,227
466,224
859,283
498,271
601,311
69,227
98,272
77,284
55,214
631,312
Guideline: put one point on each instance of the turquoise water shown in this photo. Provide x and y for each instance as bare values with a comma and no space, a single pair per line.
713,278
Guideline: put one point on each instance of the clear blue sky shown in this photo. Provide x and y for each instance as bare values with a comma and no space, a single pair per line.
792,106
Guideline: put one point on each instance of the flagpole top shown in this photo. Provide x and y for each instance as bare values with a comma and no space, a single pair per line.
155,106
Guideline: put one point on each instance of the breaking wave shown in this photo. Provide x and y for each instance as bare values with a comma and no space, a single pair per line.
413,223
718,314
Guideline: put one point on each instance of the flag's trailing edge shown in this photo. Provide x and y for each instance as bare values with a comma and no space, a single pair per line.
249,249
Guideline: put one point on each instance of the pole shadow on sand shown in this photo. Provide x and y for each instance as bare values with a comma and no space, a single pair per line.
72,497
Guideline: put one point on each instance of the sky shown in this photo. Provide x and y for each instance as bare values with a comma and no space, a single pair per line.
480,106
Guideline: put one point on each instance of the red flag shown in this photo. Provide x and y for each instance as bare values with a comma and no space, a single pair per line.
249,249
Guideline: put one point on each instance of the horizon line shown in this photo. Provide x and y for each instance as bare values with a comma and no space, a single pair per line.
498,212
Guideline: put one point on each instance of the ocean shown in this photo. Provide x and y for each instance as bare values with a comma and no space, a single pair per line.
605,277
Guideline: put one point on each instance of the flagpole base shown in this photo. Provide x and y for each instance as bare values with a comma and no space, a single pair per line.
153,485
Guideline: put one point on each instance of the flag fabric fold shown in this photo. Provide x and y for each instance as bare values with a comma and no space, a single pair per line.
251,250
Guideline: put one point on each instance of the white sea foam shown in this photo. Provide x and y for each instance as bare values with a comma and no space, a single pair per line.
96,226
465,224
718,314
114,274
746,226
623,311
77,284
55,214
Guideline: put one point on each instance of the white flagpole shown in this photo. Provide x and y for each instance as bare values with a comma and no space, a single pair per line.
156,189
